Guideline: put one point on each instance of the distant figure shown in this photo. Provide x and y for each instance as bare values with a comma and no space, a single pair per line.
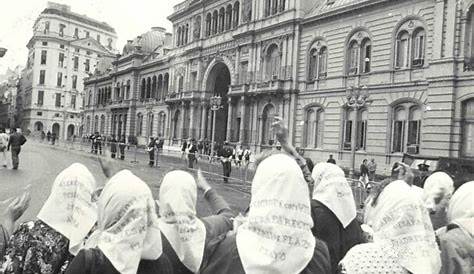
48,136
424,169
200,147
183,149
247,153
122,145
372,167
364,172
331,160
53,138
226,158
159,142
191,151
97,141
15,142
151,152
42,136
3,146
239,154
113,147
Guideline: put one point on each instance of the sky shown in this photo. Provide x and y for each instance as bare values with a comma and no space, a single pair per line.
129,18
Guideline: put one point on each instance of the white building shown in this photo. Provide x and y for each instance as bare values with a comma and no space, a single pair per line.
64,49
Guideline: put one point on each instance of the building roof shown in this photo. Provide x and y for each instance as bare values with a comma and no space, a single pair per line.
147,42
327,6
81,18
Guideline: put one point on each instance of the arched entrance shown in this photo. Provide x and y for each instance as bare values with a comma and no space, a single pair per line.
218,83
38,126
70,131
56,128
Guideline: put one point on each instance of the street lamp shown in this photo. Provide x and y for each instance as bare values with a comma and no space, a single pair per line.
357,98
216,102
2,51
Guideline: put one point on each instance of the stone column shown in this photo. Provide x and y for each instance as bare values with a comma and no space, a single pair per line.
192,107
203,120
229,119
242,120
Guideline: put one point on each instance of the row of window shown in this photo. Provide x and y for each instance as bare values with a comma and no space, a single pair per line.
149,125
409,46
224,19
273,7
44,54
59,79
154,87
58,96
62,29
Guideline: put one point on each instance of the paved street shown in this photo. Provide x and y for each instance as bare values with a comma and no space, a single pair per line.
40,163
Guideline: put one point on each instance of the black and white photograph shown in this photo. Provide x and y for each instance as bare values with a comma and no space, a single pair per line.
237,137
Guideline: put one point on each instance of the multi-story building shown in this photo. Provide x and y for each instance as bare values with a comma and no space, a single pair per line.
64,49
356,79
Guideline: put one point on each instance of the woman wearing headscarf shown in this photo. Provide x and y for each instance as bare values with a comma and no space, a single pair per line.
437,192
403,238
457,238
276,235
68,215
127,239
333,211
187,237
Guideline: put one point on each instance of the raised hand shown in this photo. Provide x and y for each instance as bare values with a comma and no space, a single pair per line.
18,206
201,182
280,130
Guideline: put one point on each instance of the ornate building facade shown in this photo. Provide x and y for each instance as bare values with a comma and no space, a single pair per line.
356,79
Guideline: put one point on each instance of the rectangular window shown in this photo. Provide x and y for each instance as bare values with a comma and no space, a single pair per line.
398,136
354,60
244,72
362,135
76,62
61,60
58,100
61,29
87,34
44,43
43,57
61,46
59,82
42,77
402,53
367,56
98,38
76,33
40,98
347,135
73,101
419,47
77,50
46,27
87,65
74,81
194,79
322,63
39,113
414,132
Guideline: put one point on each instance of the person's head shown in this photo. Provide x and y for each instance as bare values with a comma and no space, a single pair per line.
178,196
12,130
127,225
423,167
330,156
2,130
69,209
152,138
437,191
460,208
372,160
364,161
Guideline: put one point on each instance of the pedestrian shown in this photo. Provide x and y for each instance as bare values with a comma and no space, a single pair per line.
226,157
239,153
333,210
97,143
4,138
191,151
127,238
48,136
247,153
364,173
159,142
187,238
150,148
42,136
184,146
331,160
200,147
403,238
53,138
15,141
372,168
279,206
456,242
122,144
424,170
113,146
47,244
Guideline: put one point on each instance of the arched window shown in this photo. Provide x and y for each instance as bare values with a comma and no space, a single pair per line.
143,89
139,124
221,19
410,41
128,89
313,61
88,125
267,119
161,123
349,119
208,24
362,130
274,7
197,28
468,128
148,87
282,5
160,87
406,128
178,41
153,87
272,62
359,53
215,18
89,101
318,56
228,16
96,123
322,62
366,50
117,92
166,83
314,124
180,83
186,34
102,124
469,40
236,14
150,120
176,124
353,55
268,7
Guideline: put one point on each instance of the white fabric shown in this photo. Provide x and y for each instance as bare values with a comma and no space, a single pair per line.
276,237
127,228
332,189
178,222
370,258
461,208
3,139
438,189
418,191
69,208
402,226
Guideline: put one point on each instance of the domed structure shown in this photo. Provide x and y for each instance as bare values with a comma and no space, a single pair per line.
147,42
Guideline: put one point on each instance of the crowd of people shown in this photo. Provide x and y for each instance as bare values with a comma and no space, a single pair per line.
11,142
301,219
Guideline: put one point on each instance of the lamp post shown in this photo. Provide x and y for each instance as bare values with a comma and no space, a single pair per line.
216,102
357,98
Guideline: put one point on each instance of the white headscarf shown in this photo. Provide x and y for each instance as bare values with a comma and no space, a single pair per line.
276,237
332,190
184,231
127,228
69,209
437,185
402,227
461,208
